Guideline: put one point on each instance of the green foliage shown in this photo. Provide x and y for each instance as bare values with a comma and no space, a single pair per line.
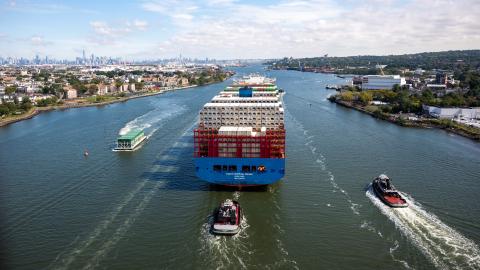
26,104
4,110
111,74
347,96
96,81
47,102
10,89
452,100
96,99
53,89
365,97
15,107
139,86
431,60
118,83
92,89
77,84
401,121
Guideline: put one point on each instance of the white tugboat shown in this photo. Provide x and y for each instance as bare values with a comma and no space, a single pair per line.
227,218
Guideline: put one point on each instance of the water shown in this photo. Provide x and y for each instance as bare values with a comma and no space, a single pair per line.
147,210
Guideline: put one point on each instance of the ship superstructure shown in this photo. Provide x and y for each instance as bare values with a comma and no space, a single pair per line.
240,139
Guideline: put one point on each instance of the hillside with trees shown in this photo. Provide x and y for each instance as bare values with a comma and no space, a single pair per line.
365,64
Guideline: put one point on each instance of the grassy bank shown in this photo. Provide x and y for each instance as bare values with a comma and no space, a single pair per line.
419,122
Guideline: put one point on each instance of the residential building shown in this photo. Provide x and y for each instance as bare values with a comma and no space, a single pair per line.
183,81
102,89
441,78
71,93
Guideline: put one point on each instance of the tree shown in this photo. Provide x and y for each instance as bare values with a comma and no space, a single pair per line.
396,88
347,96
92,89
365,97
26,104
139,86
118,83
10,89
4,110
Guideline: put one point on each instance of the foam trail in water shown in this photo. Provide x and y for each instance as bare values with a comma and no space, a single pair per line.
151,121
224,251
445,247
392,250
70,257
321,161
102,231
122,229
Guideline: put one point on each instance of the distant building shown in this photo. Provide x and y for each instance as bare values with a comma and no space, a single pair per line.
183,81
71,93
434,86
441,78
112,88
450,113
419,71
373,82
170,82
102,89
131,87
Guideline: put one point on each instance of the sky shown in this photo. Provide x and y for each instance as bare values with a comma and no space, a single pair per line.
234,29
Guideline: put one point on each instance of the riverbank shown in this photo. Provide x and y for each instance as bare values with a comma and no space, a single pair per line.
415,122
84,103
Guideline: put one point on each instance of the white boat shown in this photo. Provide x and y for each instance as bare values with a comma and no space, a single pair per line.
130,141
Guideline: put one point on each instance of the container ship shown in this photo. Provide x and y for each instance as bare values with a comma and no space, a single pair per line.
240,138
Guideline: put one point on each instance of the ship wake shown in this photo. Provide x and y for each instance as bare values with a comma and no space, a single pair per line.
441,244
321,161
225,251
92,250
153,120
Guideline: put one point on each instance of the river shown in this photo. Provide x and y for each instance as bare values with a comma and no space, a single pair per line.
147,210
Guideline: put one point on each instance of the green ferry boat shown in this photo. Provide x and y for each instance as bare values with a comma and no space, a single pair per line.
130,141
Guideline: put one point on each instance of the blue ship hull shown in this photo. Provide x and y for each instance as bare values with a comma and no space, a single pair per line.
239,171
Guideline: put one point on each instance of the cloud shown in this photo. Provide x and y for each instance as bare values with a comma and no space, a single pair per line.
140,25
312,28
220,2
38,41
179,11
105,34
258,29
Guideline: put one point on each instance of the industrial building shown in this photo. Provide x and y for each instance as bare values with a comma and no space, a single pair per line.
377,82
451,113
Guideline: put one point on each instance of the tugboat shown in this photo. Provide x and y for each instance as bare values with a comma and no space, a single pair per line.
384,190
227,218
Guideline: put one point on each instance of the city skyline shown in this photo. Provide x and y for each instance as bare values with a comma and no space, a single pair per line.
229,29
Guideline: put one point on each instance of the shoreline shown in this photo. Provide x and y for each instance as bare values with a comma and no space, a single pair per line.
37,110
427,123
